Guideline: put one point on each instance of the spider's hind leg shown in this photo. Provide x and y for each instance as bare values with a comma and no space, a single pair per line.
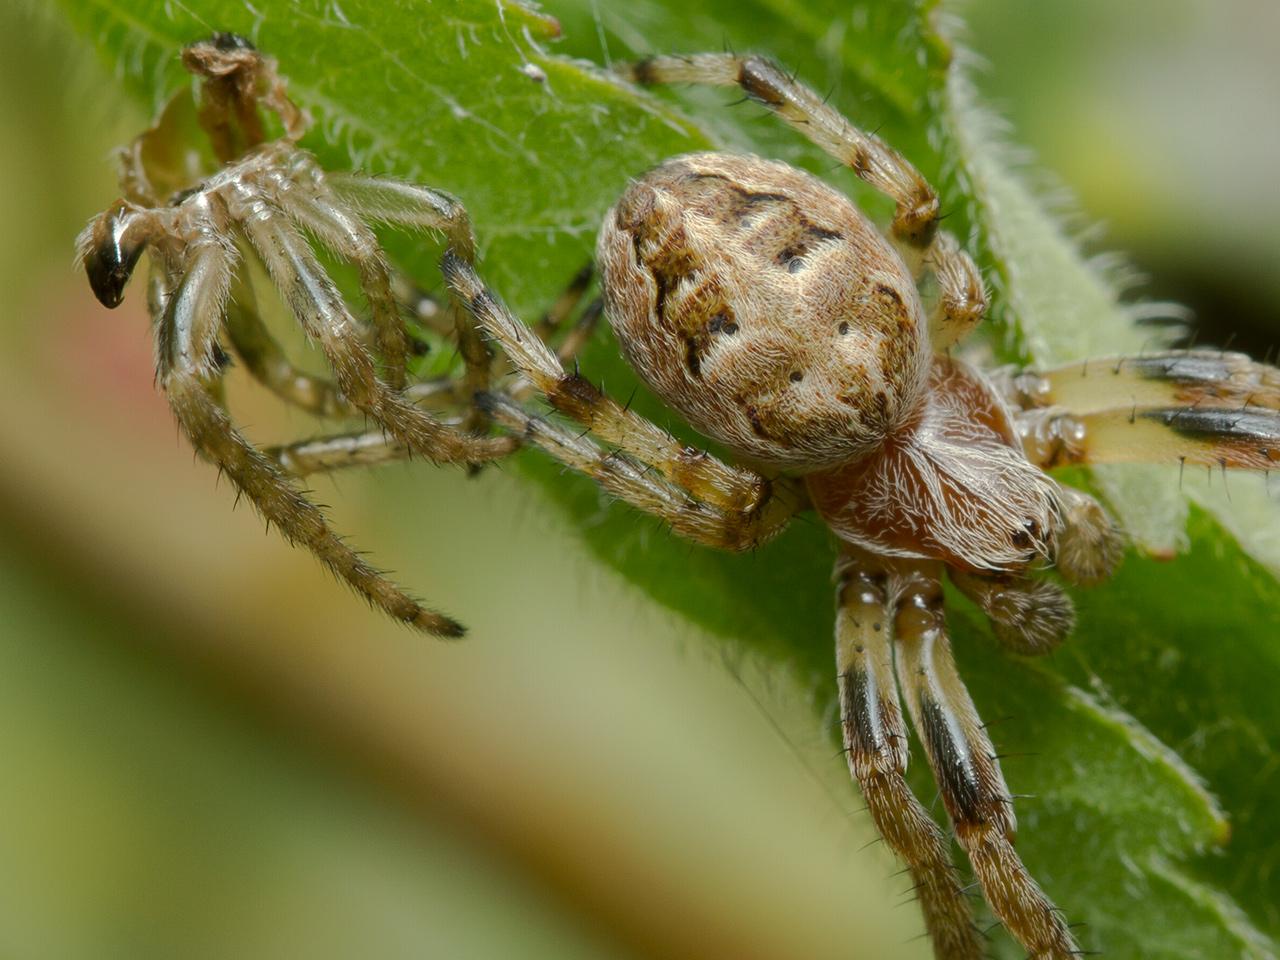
710,480
188,313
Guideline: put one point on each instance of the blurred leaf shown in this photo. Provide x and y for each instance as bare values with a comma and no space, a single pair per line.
1124,834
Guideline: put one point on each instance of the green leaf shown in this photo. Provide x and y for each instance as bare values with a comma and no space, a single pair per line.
1164,700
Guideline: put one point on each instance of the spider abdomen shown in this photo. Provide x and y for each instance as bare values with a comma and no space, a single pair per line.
764,307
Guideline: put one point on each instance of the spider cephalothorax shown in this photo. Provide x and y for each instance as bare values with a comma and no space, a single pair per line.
767,310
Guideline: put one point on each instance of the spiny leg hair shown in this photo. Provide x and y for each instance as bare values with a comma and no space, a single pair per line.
962,299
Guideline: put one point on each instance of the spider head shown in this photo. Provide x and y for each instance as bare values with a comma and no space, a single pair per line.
110,247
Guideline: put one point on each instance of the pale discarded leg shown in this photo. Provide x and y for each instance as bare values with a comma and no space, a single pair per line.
407,205
319,307
875,740
965,767
962,299
189,318
301,191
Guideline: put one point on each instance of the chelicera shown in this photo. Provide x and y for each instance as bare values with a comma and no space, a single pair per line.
770,313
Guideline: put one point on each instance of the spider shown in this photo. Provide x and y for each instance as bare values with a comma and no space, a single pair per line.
763,307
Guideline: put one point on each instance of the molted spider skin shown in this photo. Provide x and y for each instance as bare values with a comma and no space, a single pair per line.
199,215
117,244
765,307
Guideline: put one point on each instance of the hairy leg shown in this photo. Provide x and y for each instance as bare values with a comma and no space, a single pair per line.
1207,436
965,767
301,191
188,336
706,478
1178,406
407,205
1169,378
875,740
962,298
316,302
725,528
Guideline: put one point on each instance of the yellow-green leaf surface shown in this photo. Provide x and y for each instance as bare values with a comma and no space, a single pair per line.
1148,740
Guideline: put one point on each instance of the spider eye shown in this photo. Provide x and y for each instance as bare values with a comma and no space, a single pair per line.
112,256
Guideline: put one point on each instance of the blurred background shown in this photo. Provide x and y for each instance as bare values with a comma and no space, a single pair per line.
212,750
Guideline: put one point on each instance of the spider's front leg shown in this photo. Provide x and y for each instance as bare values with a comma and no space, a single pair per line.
1198,407
965,767
875,741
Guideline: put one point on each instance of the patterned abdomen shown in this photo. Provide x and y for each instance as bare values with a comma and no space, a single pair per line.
764,307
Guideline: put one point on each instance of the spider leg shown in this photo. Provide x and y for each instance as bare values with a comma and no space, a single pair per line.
1031,616
1169,378
706,478
726,528
964,765
875,740
962,298
390,201
324,454
316,302
1178,406
187,371
300,190
1242,438
365,448
268,364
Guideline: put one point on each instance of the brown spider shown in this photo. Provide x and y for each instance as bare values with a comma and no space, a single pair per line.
767,310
